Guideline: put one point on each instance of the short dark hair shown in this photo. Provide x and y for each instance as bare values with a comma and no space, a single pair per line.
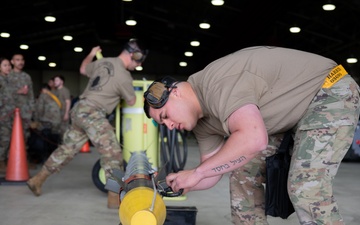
46,86
2,59
17,53
147,109
61,78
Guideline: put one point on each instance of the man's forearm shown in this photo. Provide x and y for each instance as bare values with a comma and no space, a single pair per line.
206,183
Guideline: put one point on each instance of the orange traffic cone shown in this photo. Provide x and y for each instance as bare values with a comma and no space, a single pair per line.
17,168
85,148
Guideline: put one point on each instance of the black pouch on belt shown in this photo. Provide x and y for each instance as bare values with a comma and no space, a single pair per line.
277,201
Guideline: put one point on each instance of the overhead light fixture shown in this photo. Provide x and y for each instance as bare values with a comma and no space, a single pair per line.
127,0
295,29
50,19
351,60
204,25
24,47
329,6
130,22
68,38
183,64
4,35
188,54
78,49
41,58
52,64
195,43
217,2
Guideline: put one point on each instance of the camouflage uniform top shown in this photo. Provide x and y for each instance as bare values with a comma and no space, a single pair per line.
7,104
281,82
47,112
109,82
24,102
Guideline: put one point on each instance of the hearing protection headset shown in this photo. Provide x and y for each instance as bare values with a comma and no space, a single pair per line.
158,92
137,54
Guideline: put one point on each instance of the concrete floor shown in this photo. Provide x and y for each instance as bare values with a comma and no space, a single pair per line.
71,198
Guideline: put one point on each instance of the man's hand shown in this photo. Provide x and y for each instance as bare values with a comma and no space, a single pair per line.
94,50
24,90
185,179
88,59
66,117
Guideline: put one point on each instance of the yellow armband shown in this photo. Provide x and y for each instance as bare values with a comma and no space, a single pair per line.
334,76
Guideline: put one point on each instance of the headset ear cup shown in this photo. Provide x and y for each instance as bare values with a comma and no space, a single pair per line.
137,56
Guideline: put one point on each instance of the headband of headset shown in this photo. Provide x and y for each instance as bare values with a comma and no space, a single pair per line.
159,91
137,54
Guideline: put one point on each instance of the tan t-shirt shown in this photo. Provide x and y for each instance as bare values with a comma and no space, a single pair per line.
63,94
109,82
281,82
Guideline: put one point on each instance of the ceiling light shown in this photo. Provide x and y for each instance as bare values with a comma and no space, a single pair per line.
67,38
41,58
188,54
78,49
4,35
217,2
329,7
24,47
195,43
204,25
130,22
139,68
183,64
50,19
351,60
295,29
127,0
52,64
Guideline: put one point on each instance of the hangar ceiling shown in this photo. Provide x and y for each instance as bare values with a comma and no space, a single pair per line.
168,26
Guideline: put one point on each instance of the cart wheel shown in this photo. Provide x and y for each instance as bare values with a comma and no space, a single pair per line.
98,176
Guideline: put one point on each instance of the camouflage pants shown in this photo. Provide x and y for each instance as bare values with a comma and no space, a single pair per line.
6,126
26,126
5,136
322,138
247,187
25,115
87,123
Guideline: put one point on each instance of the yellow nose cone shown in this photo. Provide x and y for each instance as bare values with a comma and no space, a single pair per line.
143,217
135,208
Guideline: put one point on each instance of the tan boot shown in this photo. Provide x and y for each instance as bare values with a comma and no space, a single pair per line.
2,167
36,182
113,200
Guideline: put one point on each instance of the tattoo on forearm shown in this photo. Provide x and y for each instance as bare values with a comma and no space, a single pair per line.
221,167
238,160
227,166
